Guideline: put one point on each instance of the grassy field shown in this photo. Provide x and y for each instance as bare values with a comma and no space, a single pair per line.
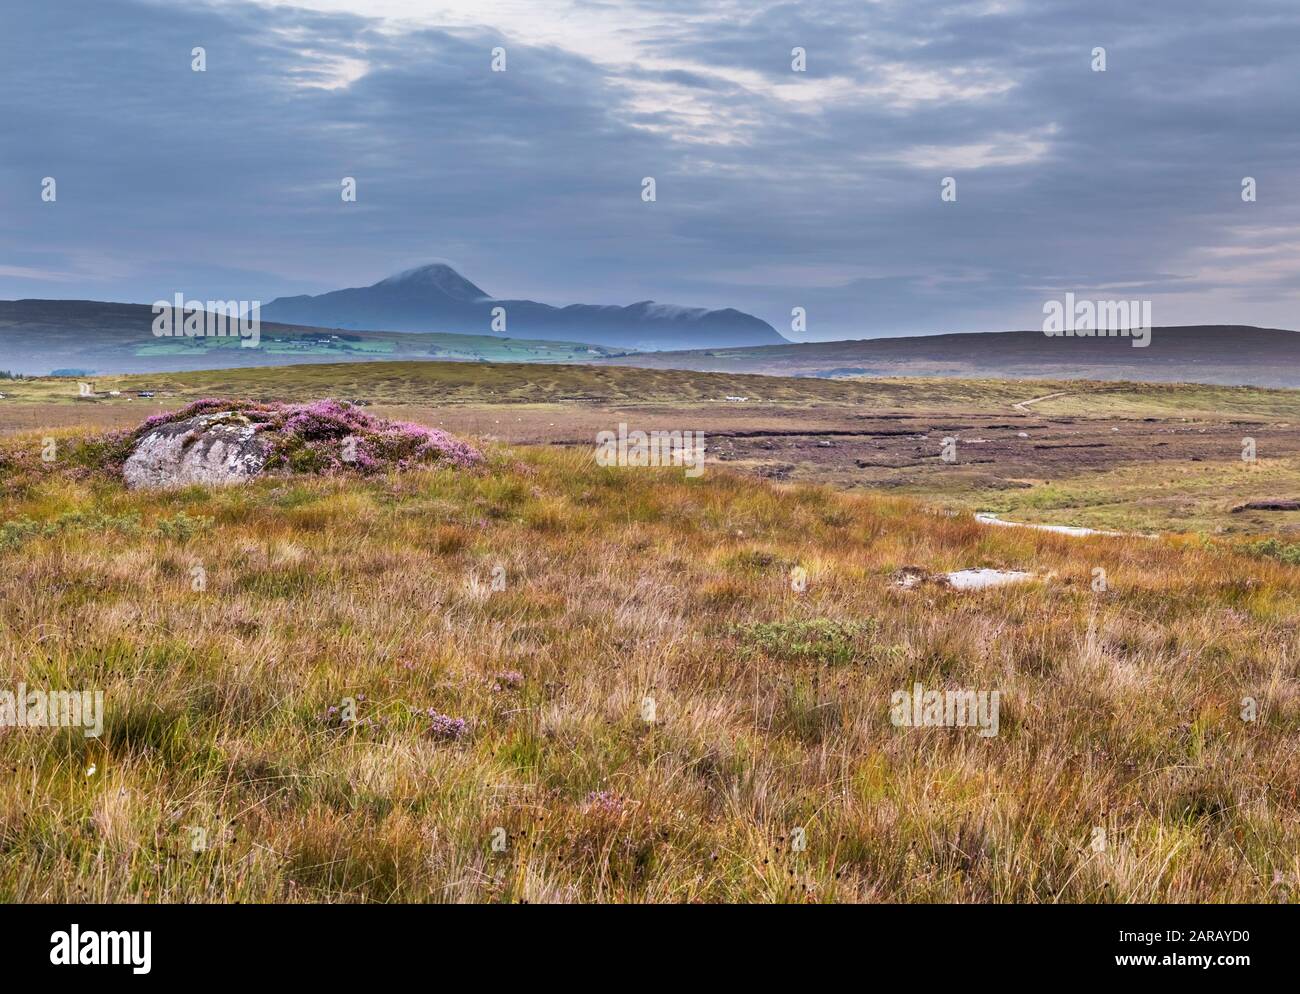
397,383
1128,456
1178,496
345,346
655,707
502,383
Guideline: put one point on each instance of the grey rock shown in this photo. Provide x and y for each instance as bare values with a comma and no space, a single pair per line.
218,448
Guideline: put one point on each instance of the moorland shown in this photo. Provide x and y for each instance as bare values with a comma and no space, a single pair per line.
571,682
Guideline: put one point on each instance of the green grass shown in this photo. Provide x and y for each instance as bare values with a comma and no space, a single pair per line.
1144,497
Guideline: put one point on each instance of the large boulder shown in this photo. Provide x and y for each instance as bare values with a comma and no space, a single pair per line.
216,448
216,441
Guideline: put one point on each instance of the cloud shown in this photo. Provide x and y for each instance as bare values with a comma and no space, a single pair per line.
775,188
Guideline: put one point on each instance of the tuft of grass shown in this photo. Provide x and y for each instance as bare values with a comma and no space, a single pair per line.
1275,548
820,640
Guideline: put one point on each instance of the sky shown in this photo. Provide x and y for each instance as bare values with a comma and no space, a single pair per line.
774,188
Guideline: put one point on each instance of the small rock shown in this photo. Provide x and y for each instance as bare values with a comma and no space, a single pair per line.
908,577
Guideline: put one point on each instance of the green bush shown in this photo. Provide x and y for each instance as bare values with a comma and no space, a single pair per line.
15,533
1272,548
819,641
181,526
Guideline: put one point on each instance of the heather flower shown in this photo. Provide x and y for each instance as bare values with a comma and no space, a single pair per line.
509,678
445,727
332,436
605,802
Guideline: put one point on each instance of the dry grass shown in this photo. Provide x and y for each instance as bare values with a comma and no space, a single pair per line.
443,384
1119,709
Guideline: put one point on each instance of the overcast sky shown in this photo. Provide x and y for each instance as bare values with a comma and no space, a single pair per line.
775,188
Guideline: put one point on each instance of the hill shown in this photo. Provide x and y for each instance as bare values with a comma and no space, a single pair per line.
38,336
1224,354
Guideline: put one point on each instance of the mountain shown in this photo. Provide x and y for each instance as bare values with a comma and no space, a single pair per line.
37,336
437,298
1220,354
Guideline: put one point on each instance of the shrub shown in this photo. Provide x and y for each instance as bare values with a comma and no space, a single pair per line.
330,436
16,532
1272,548
181,526
820,640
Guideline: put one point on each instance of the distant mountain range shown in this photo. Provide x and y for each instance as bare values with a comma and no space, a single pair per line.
437,298
1221,354
40,336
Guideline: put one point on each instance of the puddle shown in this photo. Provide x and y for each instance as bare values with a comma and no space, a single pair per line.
982,579
910,577
1073,530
